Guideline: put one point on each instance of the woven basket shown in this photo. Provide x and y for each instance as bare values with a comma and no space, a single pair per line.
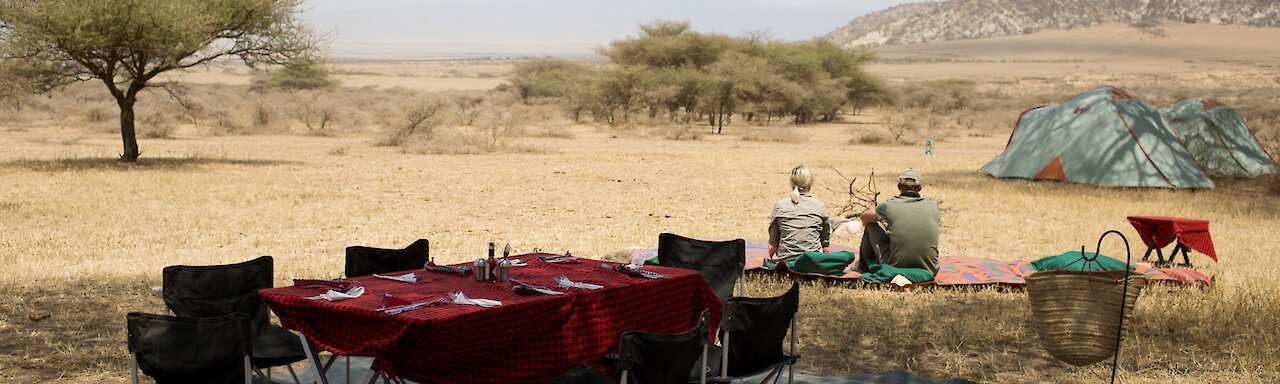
1077,313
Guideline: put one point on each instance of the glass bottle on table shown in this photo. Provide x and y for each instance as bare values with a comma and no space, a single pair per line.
493,264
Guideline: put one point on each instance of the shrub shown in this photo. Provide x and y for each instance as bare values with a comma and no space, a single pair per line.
417,119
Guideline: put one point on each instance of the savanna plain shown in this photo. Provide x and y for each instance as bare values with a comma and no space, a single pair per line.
229,174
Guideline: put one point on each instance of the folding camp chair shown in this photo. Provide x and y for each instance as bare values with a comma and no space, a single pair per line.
364,261
751,334
656,358
720,262
182,350
216,290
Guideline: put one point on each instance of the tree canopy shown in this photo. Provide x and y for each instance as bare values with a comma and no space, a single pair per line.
127,43
670,69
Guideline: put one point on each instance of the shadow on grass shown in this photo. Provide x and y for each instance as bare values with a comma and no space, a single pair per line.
60,329
152,163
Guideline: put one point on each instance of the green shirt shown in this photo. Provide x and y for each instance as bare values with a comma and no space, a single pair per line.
912,225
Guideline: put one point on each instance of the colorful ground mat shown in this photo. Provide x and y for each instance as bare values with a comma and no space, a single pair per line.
953,270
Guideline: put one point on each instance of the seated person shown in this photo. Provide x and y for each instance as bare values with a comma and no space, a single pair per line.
909,235
799,221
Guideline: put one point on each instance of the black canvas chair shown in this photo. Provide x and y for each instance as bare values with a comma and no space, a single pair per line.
364,261
752,331
181,350
656,358
216,290
720,262
582,374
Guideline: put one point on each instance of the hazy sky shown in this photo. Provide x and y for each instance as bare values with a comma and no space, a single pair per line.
558,27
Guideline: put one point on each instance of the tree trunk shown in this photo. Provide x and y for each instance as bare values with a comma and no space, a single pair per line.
127,131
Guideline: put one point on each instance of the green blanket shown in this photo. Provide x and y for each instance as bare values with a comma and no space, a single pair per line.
884,273
832,264
1074,261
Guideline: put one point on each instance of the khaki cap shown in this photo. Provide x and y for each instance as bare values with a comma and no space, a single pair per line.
910,174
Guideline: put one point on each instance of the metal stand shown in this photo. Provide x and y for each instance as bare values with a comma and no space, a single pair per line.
1128,261
1162,263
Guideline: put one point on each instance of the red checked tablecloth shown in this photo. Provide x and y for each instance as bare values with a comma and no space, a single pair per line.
528,339
1158,232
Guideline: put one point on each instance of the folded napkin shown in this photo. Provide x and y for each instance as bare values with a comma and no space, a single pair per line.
463,270
333,295
408,278
337,284
461,298
529,289
564,282
392,305
566,259
634,270
517,262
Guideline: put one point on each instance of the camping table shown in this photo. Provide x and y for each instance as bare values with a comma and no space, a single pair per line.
1157,232
528,339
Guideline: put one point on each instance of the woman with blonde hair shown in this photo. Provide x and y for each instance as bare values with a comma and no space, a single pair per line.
799,221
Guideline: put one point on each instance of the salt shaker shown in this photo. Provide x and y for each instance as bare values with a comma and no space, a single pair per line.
481,269
504,269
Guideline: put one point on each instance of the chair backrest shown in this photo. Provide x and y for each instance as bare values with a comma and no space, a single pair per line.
190,350
364,261
756,329
663,358
720,262
216,290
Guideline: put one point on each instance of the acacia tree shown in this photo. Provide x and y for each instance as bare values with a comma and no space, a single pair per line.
127,43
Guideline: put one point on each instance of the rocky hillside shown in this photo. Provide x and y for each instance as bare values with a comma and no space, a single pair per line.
976,19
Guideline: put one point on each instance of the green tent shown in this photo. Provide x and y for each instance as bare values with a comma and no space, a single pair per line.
1106,137
1218,139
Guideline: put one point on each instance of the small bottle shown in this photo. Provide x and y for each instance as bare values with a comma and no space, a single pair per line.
493,265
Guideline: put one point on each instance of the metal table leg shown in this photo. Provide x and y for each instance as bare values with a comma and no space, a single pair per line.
313,358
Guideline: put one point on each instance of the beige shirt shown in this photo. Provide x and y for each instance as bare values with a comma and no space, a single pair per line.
797,228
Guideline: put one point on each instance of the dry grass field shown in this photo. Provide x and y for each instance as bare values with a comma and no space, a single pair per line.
83,238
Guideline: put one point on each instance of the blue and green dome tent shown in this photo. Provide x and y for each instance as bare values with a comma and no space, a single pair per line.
1218,139
1106,137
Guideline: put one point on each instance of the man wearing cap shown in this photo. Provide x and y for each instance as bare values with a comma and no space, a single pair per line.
902,231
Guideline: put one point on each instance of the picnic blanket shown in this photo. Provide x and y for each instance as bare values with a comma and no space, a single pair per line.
953,270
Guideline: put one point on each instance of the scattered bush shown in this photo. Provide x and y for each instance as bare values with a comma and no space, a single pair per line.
775,133
686,131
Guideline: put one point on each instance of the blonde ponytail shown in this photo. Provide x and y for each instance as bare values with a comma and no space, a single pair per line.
801,180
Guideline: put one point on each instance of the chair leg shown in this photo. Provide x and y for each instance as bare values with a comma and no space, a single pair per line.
724,356
313,359
702,378
248,370
133,363
294,374
791,368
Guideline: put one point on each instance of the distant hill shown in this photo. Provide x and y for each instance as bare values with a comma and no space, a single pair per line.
977,19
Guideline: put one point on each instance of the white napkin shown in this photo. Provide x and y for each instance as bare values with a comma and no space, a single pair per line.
408,278
461,298
564,282
517,262
900,281
333,295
